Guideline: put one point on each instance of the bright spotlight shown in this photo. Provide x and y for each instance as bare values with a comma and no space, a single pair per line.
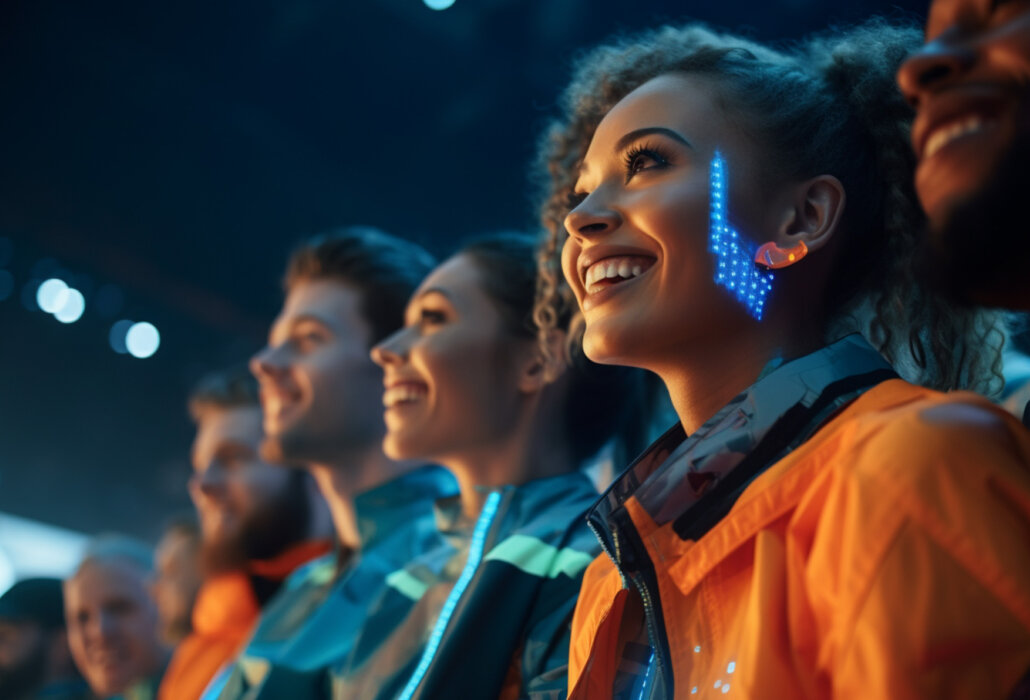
142,340
52,295
119,330
438,4
74,305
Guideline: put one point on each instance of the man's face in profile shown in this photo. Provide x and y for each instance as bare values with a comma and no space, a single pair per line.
970,85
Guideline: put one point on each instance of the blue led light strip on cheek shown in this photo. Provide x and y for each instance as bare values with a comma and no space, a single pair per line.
735,266
493,501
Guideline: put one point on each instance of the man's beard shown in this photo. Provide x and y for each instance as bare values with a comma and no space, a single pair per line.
268,531
24,680
980,253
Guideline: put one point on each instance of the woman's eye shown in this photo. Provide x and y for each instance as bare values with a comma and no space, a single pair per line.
431,317
644,158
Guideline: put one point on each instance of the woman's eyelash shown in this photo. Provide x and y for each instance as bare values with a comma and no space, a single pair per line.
640,152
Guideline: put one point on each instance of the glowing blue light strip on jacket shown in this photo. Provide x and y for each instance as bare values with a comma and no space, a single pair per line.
476,547
647,676
736,269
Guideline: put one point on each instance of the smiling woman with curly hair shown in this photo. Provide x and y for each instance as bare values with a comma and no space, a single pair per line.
741,222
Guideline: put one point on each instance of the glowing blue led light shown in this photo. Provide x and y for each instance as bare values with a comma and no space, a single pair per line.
647,676
693,691
476,547
438,4
749,283
726,689
718,683
732,667
697,650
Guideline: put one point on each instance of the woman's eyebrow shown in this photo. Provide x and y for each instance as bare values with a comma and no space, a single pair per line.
632,136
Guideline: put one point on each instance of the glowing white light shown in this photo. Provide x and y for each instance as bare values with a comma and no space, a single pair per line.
718,683
697,649
726,688
116,337
731,667
142,340
72,308
438,4
52,295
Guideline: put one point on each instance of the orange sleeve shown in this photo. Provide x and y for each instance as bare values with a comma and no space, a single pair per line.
945,610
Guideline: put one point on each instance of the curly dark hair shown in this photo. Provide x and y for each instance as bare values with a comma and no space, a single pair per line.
827,105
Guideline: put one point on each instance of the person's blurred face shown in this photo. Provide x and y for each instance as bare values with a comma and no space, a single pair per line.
450,375
319,389
112,626
176,582
248,508
637,255
970,85
23,657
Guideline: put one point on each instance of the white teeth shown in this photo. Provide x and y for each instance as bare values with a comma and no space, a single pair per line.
404,393
948,133
611,268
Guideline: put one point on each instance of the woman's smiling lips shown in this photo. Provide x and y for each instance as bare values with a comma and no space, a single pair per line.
603,270
398,392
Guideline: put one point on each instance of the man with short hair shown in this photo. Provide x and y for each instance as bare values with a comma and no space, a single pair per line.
35,661
177,579
258,524
112,620
970,85
322,398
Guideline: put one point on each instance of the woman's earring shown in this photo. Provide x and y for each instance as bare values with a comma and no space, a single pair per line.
772,257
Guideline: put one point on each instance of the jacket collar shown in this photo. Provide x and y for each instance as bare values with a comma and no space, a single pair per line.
395,504
677,471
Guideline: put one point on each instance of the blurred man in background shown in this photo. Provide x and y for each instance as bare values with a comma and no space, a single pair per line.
322,400
970,85
258,523
113,627
175,587
35,661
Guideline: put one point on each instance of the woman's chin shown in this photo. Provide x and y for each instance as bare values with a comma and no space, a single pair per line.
606,347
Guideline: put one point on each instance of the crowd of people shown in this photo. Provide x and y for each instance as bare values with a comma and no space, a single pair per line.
448,479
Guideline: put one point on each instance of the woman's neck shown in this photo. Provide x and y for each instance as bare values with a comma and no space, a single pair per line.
706,378
537,448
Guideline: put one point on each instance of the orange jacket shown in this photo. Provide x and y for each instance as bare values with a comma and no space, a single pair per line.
224,614
886,557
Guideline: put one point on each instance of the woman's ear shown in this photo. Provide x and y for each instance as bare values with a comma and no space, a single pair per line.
545,362
814,215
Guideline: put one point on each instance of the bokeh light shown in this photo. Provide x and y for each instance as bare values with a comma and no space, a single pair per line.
438,4
52,295
142,340
72,308
119,330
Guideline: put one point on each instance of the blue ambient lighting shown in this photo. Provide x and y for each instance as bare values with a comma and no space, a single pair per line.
438,4
476,547
735,265
142,340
